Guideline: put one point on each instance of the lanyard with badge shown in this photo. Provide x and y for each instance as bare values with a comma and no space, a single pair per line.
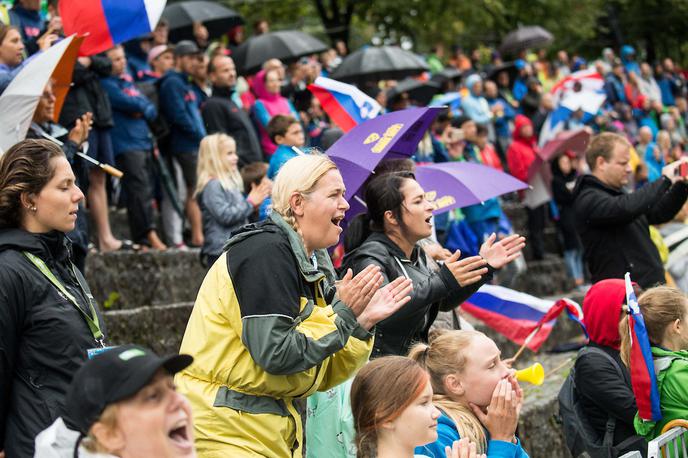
91,319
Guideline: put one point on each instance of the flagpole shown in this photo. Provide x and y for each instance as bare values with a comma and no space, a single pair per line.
525,343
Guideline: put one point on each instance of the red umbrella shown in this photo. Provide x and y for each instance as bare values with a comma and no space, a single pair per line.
570,140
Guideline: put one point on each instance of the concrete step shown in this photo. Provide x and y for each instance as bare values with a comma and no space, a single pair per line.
159,327
127,279
541,278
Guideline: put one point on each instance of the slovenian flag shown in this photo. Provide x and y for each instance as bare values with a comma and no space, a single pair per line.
582,90
520,317
346,105
109,22
642,364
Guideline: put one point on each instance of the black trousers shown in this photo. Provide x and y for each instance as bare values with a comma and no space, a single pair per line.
536,230
138,194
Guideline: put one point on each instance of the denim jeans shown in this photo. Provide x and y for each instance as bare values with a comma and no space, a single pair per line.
574,263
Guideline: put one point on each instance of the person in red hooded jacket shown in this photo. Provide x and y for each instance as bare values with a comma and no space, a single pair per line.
520,156
605,390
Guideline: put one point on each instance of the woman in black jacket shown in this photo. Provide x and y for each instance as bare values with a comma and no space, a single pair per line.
48,317
398,218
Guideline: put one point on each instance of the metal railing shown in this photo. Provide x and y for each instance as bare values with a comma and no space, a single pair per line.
671,444
633,454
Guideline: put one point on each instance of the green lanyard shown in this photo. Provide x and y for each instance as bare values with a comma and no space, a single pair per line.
91,320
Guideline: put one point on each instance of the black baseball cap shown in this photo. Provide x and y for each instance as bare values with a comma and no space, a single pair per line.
111,376
186,48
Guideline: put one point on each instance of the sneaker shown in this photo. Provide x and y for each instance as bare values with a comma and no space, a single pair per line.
181,246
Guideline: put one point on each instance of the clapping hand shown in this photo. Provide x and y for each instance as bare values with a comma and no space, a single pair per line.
466,271
259,192
503,252
357,291
81,129
462,448
386,301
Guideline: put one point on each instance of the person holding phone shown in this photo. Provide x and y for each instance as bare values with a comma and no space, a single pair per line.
614,224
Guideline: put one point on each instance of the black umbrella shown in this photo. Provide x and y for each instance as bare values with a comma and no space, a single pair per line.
419,92
447,74
525,38
218,19
383,63
285,45
509,67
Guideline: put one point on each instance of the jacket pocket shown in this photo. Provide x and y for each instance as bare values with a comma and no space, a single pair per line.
249,403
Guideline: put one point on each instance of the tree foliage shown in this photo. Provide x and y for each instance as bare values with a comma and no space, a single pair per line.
585,26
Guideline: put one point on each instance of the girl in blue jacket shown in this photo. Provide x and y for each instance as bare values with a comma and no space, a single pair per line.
476,392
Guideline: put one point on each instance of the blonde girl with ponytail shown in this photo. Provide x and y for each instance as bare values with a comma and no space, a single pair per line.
665,311
476,392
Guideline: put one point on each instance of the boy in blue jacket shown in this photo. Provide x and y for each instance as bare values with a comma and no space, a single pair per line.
285,132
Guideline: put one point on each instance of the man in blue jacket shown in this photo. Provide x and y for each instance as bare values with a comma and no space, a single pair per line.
179,107
132,144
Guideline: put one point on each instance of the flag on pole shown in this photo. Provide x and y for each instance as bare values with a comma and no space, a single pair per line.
345,104
643,378
109,22
582,90
520,317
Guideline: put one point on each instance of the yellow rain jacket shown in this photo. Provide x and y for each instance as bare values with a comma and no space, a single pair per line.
266,328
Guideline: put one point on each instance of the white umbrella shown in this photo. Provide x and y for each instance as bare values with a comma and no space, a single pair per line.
19,101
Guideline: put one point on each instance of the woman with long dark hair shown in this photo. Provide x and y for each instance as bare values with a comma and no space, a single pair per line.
48,317
387,236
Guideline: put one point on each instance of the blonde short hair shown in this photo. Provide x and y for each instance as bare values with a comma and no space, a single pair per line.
299,174
109,419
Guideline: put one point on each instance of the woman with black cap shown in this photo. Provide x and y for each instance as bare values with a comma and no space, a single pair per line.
123,403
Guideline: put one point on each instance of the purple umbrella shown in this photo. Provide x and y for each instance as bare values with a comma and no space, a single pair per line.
451,185
390,136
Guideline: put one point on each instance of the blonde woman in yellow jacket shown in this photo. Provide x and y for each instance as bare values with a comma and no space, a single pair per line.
268,326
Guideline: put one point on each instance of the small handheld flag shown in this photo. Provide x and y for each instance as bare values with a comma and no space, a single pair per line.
643,377
346,105
109,22
522,318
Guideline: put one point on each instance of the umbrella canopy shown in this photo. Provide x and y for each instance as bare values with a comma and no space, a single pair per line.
218,19
420,92
525,38
285,45
18,102
447,74
570,140
452,100
450,185
509,67
379,63
393,135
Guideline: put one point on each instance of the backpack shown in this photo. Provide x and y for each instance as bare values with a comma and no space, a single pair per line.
579,435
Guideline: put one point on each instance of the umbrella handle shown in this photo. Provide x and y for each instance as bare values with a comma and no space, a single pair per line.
112,171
